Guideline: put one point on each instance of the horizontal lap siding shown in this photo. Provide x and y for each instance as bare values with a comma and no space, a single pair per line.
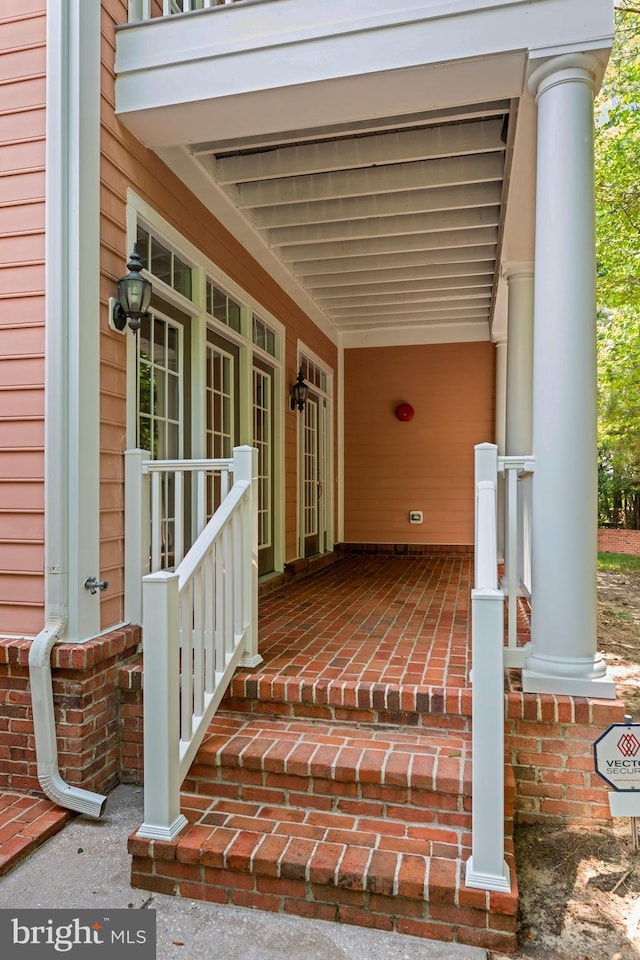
392,467
126,163
22,219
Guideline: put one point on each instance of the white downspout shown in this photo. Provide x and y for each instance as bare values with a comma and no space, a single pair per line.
56,422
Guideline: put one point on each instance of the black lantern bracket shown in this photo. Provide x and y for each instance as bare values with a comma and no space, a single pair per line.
134,297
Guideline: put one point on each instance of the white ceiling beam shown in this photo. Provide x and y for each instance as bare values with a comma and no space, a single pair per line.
386,274
445,221
388,264
445,141
444,172
416,319
360,249
461,197
352,306
339,296
451,306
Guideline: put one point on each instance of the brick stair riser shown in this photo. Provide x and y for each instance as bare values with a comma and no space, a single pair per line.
374,888
310,711
348,796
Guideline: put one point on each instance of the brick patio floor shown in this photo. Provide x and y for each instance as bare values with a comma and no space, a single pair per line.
401,620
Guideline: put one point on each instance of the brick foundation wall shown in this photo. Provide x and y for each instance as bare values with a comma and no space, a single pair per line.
131,752
619,541
88,711
549,741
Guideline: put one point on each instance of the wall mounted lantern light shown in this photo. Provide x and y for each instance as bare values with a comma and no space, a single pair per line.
134,297
299,392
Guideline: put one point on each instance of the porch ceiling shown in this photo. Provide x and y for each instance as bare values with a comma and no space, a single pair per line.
392,221
377,159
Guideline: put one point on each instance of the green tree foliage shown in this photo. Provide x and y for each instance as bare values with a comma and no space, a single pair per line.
619,417
618,168
618,259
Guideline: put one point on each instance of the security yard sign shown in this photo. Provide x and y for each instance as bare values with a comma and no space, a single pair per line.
617,756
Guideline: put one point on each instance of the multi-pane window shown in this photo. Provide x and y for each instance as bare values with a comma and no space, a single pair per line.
223,308
219,390
163,263
159,410
159,388
311,468
314,375
262,440
219,402
263,336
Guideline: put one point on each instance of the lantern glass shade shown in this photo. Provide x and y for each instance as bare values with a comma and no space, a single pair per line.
134,292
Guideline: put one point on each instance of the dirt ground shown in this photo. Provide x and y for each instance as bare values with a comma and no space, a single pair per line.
580,886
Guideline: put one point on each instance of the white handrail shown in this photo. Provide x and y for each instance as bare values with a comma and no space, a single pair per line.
200,622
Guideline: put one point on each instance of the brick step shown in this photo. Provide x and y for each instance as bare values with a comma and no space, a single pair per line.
246,855
359,771
351,701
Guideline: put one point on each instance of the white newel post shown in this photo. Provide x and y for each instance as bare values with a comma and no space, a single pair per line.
563,624
245,467
486,868
162,780
136,532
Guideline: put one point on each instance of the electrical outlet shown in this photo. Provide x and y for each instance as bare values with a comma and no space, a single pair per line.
415,516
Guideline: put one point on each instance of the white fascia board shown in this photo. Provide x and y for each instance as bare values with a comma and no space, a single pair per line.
219,204
189,117
399,336
221,53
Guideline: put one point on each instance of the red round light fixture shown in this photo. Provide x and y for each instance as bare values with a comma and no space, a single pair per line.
404,412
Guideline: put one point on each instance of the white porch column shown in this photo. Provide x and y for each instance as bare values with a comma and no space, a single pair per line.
501,421
501,394
519,417
564,657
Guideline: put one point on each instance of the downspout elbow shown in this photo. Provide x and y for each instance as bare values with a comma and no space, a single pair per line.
74,798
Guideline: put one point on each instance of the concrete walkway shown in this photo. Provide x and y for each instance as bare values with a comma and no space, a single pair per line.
86,865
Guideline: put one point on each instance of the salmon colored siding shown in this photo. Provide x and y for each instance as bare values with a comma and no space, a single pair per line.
392,467
126,163
22,221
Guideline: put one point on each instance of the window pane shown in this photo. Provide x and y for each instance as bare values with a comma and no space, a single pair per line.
270,342
173,397
181,277
234,316
219,305
142,244
158,343
172,349
160,261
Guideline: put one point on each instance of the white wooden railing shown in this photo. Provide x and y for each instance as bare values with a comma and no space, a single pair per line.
200,622
486,868
144,9
516,583
168,503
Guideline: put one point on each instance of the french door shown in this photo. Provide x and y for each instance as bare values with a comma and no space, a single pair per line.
263,441
314,447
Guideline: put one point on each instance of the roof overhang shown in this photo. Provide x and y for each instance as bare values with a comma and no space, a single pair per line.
305,173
